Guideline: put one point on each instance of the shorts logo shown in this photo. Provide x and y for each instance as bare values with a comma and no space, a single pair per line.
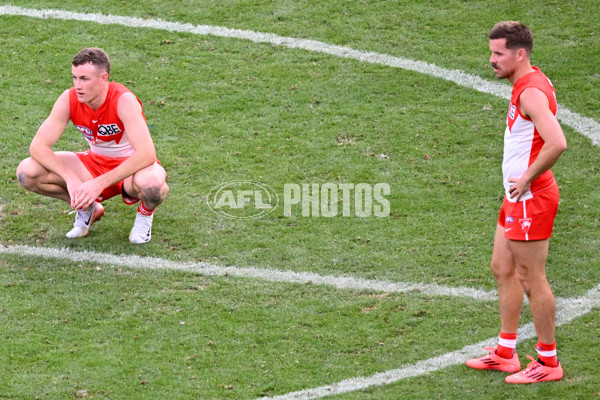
108,130
510,220
525,224
86,132
511,111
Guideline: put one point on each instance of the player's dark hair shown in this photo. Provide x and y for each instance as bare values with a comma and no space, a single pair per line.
517,35
94,56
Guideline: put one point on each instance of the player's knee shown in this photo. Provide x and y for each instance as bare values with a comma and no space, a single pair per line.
154,194
26,173
502,271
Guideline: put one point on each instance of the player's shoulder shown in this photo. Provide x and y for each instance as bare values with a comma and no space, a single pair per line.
66,93
64,98
128,104
537,79
127,98
533,100
118,87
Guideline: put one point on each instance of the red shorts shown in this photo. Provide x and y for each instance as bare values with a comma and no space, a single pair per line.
98,165
531,219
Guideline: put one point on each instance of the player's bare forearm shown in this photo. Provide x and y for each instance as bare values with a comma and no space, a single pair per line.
133,164
45,156
547,157
88,192
48,134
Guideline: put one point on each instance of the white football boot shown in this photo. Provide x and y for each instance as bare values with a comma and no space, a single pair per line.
142,229
85,219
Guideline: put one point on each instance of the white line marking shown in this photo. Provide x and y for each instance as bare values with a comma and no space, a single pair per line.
568,310
271,275
584,125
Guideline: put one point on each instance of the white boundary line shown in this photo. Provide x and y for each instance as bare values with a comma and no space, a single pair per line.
271,275
584,125
568,309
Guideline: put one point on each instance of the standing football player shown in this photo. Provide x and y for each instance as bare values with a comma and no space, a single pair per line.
533,142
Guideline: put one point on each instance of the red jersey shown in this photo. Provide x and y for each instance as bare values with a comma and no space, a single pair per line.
522,142
102,128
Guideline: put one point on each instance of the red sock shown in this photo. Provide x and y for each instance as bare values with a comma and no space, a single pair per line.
143,210
507,345
547,354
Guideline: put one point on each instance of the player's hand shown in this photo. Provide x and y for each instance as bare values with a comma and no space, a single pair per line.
72,185
85,194
519,187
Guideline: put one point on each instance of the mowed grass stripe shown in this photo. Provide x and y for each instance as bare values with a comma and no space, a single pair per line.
584,125
271,275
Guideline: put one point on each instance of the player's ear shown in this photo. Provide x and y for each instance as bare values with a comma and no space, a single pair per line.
104,76
522,54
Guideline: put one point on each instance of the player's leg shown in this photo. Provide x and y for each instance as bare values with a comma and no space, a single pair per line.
510,299
149,185
35,178
510,290
530,258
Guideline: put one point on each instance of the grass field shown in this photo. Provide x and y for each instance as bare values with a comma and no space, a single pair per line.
227,109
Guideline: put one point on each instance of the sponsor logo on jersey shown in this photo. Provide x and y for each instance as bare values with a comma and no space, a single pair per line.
511,111
86,132
510,220
108,130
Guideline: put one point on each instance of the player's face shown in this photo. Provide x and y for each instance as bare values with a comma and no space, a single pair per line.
89,82
503,59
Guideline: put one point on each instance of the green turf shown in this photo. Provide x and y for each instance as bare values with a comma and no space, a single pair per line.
130,334
222,110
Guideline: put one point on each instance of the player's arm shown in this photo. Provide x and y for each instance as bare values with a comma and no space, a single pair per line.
534,104
130,113
47,135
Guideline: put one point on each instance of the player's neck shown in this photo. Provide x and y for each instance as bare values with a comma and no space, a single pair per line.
521,72
97,101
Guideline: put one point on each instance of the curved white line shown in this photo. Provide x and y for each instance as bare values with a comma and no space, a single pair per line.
584,125
568,309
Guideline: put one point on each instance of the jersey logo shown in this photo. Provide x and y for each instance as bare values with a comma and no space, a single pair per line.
511,111
86,132
108,130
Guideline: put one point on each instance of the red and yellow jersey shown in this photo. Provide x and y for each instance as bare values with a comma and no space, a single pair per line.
522,142
102,128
